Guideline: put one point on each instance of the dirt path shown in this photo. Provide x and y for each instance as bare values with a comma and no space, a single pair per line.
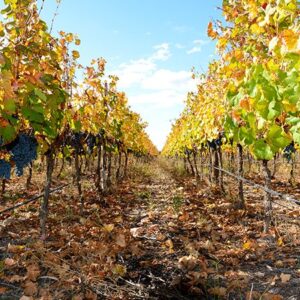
159,237
198,246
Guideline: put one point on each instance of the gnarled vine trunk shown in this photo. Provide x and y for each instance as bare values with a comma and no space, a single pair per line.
241,202
267,199
44,210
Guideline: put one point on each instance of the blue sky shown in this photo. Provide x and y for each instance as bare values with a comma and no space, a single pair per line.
151,45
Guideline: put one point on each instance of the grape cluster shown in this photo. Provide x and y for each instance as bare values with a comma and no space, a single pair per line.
5,169
76,141
214,144
288,151
91,142
24,151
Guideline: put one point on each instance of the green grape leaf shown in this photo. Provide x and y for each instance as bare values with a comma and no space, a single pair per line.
293,120
261,150
32,115
277,138
274,110
8,133
10,105
40,94
295,130
246,136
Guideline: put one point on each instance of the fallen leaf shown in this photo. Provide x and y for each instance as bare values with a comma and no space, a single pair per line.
121,240
15,248
291,261
83,221
208,245
218,291
118,219
30,288
9,262
280,242
16,278
285,277
89,295
269,296
279,264
187,263
108,227
169,244
119,270
26,298
247,245
33,271
136,232
253,295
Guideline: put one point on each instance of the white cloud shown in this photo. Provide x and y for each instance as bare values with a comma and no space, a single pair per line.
162,53
181,29
164,79
158,135
159,99
200,42
157,93
194,50
180,46
198,46
134,72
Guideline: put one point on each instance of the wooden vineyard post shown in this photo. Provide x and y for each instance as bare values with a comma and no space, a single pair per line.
44,210
241,203
267,197
78,178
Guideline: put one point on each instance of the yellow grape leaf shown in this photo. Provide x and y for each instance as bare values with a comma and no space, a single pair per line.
1,29
2,60
280,242
170,245
77,42
238,54
256,29
108,227
290,39
119,270
118,219
69,37
273,43
75,54
289,106
211,32
222,43
247,245
245,104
